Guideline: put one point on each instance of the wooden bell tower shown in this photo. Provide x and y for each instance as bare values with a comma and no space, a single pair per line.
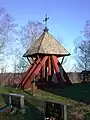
45,53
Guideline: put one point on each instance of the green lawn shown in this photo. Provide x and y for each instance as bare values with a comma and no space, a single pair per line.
77,92
68,95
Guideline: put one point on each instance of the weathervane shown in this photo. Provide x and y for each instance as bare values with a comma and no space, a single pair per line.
45,20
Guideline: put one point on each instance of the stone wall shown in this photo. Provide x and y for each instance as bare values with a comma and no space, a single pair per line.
75,77
8,78
78,77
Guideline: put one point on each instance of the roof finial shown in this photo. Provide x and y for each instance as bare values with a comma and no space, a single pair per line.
45,20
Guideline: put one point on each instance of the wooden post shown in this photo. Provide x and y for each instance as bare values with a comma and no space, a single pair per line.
49,70
46,74
35,72
33,87
62,60
41,75
52,67
43,68
30,72
42,71
56,67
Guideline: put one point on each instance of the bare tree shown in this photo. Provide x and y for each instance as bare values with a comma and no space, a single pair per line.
82,49
22,65
30,32
83,55
6,29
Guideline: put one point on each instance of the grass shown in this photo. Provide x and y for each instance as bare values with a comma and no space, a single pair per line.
72,96
77,92
2,102
33,112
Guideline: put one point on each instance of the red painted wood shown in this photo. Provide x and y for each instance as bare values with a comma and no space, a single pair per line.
52,67
36,71
49,70
41,74
28,85
41,65
31,71
56,67
44,66
49,66
46,72
25,74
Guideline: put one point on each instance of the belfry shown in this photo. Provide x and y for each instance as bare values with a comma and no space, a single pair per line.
45,53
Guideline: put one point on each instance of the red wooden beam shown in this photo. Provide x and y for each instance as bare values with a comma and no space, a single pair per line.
44,66
31,70
46,73
52,67
43,72
25,74
49,70
36,71
56,67
49,66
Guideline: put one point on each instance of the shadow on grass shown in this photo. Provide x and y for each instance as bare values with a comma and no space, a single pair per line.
78,92
33,113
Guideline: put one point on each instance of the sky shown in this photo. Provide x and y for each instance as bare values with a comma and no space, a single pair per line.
67,17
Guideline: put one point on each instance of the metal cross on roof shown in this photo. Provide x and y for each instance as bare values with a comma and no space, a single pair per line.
45,20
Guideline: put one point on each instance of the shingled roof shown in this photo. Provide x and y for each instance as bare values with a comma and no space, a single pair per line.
48,45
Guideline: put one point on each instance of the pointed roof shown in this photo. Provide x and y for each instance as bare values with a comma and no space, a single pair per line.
46,44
